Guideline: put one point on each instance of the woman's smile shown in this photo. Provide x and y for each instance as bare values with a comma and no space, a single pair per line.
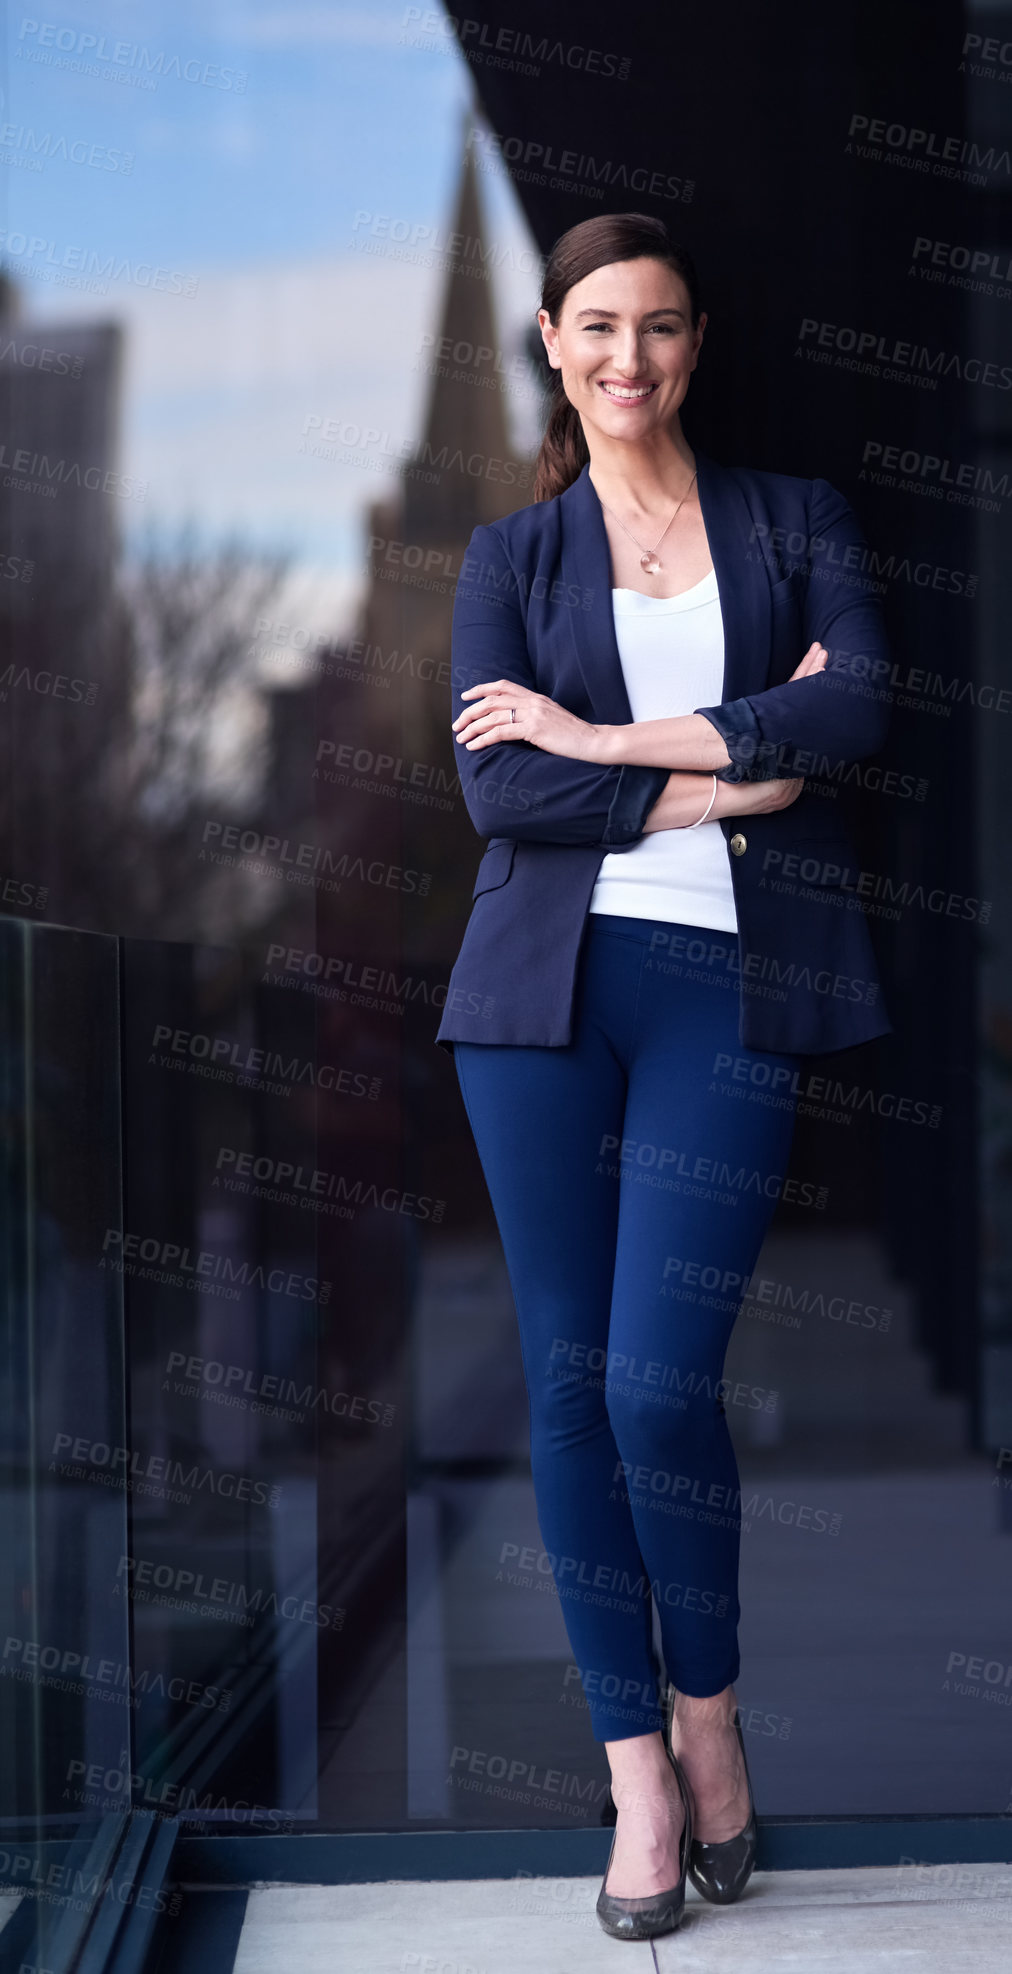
626,393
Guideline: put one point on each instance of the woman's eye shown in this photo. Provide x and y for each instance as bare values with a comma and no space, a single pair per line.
666,328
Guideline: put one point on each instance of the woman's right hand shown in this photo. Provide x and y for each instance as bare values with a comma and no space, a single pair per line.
814,660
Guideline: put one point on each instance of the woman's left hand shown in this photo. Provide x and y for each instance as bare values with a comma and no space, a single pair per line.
537,720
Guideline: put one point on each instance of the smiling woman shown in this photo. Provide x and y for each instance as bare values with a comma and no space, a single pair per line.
607,789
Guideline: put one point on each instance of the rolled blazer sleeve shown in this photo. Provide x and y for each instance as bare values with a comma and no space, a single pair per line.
514,789
841,711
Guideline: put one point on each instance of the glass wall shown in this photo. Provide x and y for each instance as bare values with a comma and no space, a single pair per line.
269,281
66,1692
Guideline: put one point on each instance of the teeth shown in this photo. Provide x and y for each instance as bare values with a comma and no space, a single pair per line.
618,391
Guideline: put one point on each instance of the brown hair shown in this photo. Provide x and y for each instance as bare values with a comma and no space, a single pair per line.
592,244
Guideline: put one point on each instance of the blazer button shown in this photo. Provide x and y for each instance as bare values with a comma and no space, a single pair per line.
739,844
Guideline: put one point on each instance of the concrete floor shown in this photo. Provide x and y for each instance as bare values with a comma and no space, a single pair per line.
943,1919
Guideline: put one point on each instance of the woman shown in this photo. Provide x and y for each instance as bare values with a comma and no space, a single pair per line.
665,921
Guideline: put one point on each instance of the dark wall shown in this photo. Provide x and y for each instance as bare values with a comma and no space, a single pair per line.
738,126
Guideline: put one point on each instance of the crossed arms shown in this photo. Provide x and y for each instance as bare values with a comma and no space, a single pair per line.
573,782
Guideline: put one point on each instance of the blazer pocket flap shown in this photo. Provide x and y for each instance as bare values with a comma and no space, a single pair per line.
495,866
786,591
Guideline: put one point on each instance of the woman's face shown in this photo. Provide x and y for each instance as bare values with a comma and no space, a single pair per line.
626,348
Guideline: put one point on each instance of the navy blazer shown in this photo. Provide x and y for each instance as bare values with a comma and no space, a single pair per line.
534,605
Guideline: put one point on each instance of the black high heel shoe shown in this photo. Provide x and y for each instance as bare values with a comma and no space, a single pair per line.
720,1872
646,1918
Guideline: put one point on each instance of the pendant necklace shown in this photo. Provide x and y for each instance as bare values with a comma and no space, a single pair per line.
649,560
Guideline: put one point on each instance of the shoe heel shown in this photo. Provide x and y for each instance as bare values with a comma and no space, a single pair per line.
720,1872
648,1918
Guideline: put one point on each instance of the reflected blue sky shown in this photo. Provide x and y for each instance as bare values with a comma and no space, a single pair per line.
248,191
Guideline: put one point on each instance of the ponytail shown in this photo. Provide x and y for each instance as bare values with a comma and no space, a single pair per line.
563,453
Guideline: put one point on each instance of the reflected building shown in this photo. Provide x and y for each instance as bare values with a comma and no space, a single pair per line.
368,738
61,501
466,474
62,493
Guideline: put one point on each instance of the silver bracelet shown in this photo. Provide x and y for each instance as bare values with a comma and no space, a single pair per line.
707,809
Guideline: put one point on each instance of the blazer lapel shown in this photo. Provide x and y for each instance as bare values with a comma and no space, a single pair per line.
586,564
742,585
742,582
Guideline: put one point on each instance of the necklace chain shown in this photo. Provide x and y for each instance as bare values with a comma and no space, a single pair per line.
648,556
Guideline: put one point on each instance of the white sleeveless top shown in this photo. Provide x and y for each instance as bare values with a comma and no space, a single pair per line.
672,653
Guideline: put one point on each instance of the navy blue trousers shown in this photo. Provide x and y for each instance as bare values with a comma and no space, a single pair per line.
633,1174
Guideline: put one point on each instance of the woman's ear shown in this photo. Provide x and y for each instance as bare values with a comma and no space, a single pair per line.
550,338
